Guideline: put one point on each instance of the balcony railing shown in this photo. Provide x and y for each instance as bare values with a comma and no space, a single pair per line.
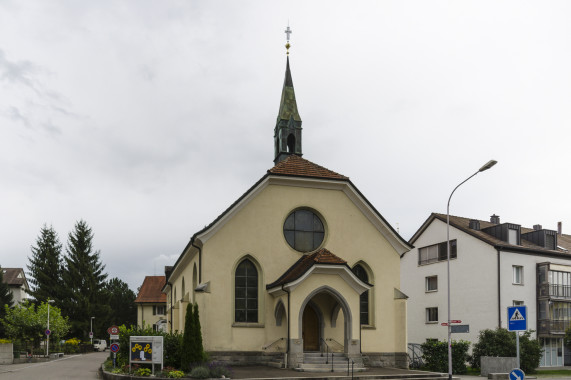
557,326
560,291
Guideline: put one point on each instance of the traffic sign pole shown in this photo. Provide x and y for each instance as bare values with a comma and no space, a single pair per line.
517,345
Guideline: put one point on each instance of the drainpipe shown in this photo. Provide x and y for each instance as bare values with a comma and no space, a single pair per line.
199,260
499,293
288,322
170,285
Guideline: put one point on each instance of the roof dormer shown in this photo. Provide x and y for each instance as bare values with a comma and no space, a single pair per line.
507,232
544,238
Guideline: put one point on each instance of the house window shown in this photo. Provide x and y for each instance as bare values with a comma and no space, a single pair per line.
246,293
362,275
431,283
304,231
517,275
512,236
436,252
431,315
159,310
518,303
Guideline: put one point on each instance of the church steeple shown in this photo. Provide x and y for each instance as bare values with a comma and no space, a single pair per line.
287,133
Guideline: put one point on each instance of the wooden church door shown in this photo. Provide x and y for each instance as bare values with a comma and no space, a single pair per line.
310,330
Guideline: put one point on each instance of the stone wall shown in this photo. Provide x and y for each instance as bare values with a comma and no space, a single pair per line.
237,358
489,364
386,359
6,353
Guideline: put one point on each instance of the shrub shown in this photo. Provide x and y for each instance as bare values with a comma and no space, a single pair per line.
3,341
219,370
435,355
200,373
143,372
502,343
175,374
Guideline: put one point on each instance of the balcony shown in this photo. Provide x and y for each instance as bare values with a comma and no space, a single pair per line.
560,291
549,327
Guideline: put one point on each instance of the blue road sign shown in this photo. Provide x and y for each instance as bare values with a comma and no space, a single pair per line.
517,318
517,374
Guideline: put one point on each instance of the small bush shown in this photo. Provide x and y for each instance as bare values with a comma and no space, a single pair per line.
117,370
3,341
200,373
175,374
435,355
219,370
143,372
502,343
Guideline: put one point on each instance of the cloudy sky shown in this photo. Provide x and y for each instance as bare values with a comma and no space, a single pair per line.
148,119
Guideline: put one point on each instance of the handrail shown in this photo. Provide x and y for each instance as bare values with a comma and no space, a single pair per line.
352,367
327,351
336,342
271,344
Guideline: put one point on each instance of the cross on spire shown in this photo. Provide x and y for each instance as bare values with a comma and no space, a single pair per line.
288,32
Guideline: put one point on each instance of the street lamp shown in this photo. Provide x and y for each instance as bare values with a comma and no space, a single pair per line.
487,166
91,331
48,335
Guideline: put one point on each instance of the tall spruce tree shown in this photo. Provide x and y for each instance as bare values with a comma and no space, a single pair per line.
45,267
6,299
84,280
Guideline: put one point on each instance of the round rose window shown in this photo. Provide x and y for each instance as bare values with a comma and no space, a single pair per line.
303,230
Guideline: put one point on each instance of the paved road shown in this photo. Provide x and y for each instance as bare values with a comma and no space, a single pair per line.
68,368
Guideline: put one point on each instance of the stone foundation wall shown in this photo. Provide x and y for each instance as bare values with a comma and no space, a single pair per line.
6,353
385,359
238,358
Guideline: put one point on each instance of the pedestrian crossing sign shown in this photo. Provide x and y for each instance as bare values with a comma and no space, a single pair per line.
517,318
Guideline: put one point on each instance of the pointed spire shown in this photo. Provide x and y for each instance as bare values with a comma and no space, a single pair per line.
288,104
287,133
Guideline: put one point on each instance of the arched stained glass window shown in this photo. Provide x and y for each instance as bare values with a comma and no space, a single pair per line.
246,292
362,275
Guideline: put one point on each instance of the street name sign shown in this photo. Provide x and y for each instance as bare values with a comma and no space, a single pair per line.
517,318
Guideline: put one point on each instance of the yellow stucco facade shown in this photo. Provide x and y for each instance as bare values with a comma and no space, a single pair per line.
253,229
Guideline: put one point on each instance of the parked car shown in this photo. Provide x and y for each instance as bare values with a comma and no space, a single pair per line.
99,344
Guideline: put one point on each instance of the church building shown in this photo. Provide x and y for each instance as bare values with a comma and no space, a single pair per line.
301,262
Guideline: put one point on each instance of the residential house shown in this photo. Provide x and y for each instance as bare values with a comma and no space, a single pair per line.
493,265
15,278
151,303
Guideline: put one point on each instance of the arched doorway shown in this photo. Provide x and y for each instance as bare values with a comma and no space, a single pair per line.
310,329
325,316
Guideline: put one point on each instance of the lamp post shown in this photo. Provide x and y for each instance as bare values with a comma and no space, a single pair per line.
487,166
91,331
48,335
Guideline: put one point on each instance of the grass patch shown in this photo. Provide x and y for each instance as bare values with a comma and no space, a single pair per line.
473,371
566,373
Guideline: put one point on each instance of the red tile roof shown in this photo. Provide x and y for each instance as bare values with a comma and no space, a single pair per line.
151,290
305,262
297,166
11,276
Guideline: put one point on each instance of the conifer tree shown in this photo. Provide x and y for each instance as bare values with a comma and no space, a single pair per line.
188,340
84,280
45,267
121,300
6,299
198,352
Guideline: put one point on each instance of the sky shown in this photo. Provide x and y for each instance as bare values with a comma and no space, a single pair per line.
147,119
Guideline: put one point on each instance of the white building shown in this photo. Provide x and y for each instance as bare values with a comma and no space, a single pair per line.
16,280
493,265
